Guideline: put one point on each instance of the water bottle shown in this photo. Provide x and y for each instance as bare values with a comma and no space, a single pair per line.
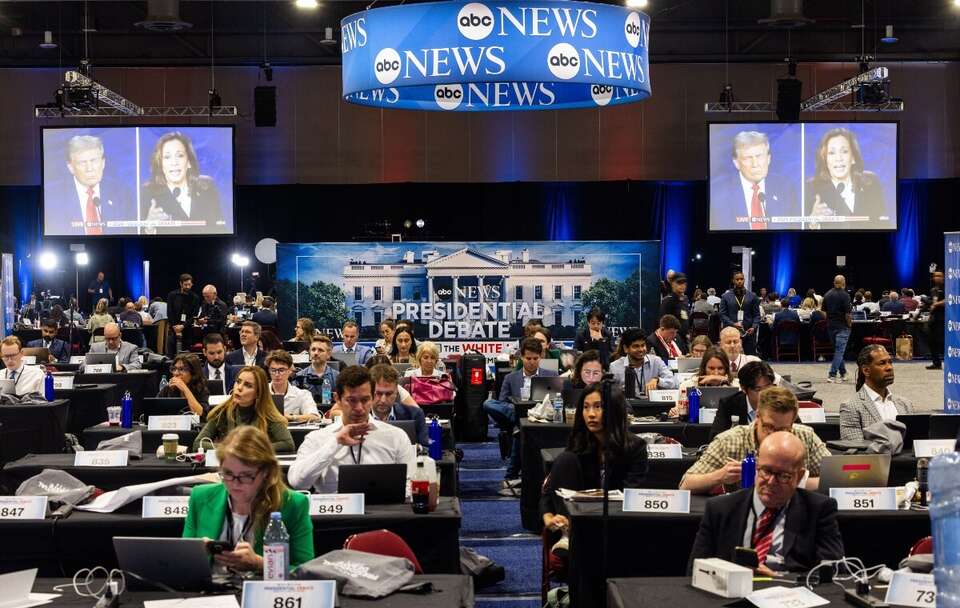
436,439
325,392
923,486
693,405
48,386
420,490
748,470
163,384
126,410
945,524
276,549
558,408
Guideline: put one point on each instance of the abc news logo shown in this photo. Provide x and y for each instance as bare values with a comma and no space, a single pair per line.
952,378
386,65
448,97
564,61
953,351
601,94
475,21
953,246
953,273
633,29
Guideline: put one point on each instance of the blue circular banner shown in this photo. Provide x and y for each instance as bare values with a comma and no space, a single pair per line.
494,56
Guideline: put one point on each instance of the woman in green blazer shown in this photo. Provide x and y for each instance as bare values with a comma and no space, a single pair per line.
238,509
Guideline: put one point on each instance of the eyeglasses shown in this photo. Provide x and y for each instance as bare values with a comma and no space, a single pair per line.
243,479
9,357
179,370
590,373
783,477
276,371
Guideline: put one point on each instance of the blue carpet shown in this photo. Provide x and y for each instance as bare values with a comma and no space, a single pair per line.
520,558
490,518
482,602
481,456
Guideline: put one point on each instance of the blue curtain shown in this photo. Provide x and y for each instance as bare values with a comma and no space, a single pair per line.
133,267
784,256
911,223
673,217
559,212
22,208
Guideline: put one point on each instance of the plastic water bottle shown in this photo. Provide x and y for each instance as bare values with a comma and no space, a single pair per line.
558,408
326,391
276,549
693,405
163,383
420,490
126,410
48,386
945,524
436,439
748,470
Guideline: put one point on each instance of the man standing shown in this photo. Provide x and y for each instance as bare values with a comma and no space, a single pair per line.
99,288
26,379
58,349
676,303
182,308
127,356
791,529
638,372
213,312
351,333
249,352
740,308
386,402
839,311
215,367
935,324
267,315
874,401
311,377
356,437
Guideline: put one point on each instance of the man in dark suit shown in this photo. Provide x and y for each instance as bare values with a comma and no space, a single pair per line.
740,308
754,378
87,203
59,350
666,341
267,315
215,366
893,305
786,313
249,352
752,198
213,312
516,384
182,307
791,530
386,402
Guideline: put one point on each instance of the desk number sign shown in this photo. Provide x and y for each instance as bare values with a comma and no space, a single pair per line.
165,507
336,504
643,500
169,423
928,448
289,594
664,451
865,499
23,507
911,589
98,368
103,458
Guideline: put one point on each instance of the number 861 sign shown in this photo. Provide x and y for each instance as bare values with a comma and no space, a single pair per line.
289,594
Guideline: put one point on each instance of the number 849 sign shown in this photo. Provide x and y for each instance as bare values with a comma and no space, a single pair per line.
289,594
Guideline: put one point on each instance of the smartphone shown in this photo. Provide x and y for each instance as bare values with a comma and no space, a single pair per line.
216,547
747,557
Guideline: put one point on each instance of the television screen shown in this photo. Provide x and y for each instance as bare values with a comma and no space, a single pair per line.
151,180
803,176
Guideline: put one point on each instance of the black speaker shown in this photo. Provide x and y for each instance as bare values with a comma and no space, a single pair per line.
788,99
265,106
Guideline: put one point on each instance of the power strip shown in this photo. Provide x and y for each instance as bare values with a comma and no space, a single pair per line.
864,601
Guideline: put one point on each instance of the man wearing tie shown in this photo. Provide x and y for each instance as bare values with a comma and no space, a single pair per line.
351,333
25,379
58,349
88,203
753,197
215,368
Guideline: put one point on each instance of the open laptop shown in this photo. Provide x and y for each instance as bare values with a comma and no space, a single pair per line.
96,358
402,367
918,427
710,396
215,387
181,563
943,426
540,386
551,364
407,426
164,406
295,346
346,359
686,366
381,484
857,471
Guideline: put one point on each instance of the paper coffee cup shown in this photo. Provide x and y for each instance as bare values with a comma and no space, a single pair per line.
170,441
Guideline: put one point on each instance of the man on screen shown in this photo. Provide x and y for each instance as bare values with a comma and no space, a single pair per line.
86,204
754,196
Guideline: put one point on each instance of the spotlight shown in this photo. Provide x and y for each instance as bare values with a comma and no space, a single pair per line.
48,42
82,258
421,223
267,71
240,260
956,3
408,224
637,3
726,96
213,98
306,4
48,260
699,256
889,37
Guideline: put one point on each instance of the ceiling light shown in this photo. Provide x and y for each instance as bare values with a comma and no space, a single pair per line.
306,4
889,38
48,42
637,3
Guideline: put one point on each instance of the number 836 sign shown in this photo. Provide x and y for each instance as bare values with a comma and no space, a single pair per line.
289,594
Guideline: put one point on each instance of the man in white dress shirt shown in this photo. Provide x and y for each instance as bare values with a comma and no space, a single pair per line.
355,438
351,333
298,404
24,379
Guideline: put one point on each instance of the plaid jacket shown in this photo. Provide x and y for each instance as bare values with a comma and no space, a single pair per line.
860,412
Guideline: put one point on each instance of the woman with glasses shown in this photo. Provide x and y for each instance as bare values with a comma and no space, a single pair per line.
298,404
187,382
236,511
698,346
250,404
714,371
600,441
587,370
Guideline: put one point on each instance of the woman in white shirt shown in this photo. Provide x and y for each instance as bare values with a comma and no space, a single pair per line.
427,359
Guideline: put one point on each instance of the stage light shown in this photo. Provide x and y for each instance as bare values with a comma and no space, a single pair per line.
48,260
637,3
699,256
240,260
48,42
956,3
408,224
306,4
889,37
421,223
82,258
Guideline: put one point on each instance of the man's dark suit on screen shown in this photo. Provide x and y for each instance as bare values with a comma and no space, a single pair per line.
63,209
728,202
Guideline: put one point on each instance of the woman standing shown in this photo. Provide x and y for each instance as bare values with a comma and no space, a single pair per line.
99,318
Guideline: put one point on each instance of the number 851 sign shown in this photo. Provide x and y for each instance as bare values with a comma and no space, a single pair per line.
289,594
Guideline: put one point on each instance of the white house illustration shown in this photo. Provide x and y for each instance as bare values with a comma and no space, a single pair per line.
467,276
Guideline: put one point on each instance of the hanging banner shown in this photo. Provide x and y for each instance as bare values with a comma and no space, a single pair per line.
493,56
468,295
951,351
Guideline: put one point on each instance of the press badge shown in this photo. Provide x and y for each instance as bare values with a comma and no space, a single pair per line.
740,315
183,317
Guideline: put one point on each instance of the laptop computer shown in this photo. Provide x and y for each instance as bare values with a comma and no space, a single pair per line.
858,315
407,426
685,366
95,358
215,387
943,426
164,406
295,346
347,359
402,367
918,427
540,386
40,354
710,396
181,563
551,364
381,484
857,471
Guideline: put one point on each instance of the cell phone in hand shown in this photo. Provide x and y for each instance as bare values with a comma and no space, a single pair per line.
746,557
216,547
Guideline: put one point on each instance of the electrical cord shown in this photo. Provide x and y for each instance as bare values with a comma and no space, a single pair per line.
855,571
85,578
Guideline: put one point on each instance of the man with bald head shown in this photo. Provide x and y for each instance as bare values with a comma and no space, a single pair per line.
213,312
839,311
127,356
790,529
732,344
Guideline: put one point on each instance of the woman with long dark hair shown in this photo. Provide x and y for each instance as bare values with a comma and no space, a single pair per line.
187,381
404,346
177,192
841,186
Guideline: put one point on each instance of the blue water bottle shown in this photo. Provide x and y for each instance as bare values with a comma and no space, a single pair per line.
126,410
693,405
48,386
945,525
436,441
325,392
748,471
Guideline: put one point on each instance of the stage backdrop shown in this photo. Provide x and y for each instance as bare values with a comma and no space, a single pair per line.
951,360
468,294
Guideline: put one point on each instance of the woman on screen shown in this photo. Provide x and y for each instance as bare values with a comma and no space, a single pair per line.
841,186
177,192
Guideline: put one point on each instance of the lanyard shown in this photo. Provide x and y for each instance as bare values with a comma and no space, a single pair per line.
358,455
243,533
740,301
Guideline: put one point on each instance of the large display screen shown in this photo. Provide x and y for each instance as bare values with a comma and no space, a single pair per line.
803,176
151,180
